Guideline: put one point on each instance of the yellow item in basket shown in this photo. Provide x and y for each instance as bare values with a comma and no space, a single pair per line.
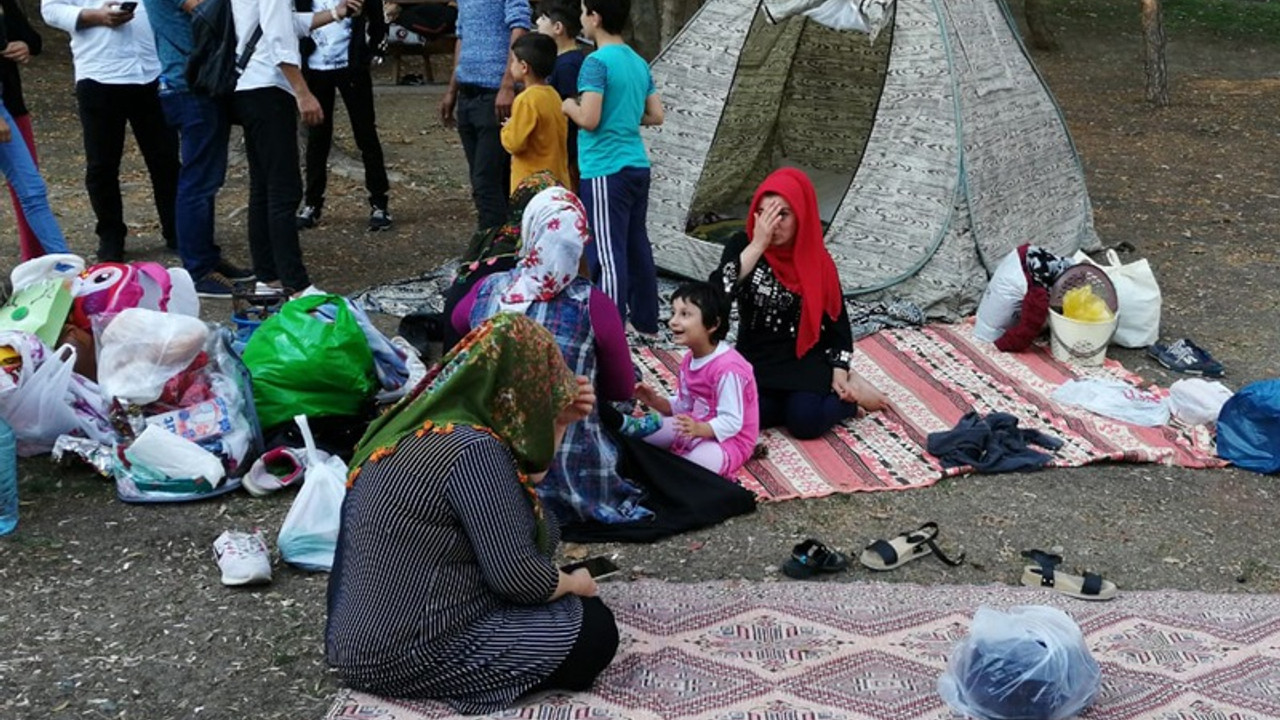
1081,304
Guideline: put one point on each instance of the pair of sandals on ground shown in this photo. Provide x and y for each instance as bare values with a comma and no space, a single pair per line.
812,557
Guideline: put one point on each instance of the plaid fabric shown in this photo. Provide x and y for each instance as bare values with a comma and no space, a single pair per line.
583,483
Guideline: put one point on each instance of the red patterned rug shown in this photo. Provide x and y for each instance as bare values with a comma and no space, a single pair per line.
874,651
934,375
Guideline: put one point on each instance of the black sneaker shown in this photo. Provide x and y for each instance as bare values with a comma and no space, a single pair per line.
215,285
110,251
308,216
379,219
234,273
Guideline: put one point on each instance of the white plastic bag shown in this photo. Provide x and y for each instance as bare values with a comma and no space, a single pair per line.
1195,401
48,399
58,265
161,451
309,536
1138,297
1002,300
1031,663
1115,399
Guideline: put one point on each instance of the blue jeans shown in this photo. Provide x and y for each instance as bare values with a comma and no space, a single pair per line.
204,131
20,170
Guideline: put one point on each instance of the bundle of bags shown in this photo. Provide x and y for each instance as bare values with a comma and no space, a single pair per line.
1015,306
111,363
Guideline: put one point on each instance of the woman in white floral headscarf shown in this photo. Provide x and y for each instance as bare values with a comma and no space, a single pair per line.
583,483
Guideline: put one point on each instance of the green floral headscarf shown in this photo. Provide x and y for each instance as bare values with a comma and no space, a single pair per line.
506,377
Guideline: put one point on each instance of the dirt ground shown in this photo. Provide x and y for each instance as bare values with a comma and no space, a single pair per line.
112,611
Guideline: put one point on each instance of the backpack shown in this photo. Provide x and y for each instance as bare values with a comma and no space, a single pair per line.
213,67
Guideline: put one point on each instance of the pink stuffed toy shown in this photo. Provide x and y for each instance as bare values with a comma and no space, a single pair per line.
108,288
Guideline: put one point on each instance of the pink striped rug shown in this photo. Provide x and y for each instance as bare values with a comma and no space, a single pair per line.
934,375
874,651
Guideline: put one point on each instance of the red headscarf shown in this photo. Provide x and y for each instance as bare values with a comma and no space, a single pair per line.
804,267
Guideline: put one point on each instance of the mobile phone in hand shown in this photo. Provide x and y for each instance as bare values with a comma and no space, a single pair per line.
128,6
599,567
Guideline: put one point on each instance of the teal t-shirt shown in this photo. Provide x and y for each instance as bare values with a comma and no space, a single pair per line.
620,75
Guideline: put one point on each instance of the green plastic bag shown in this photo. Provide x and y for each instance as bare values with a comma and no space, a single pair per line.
303,364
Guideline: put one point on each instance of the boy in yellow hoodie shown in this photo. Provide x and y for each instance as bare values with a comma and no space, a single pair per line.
536,135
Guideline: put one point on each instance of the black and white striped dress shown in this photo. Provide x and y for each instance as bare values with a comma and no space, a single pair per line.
438,588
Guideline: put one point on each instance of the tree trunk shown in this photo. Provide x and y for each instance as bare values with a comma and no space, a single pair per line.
675,13
1041,36
1153,41
645,30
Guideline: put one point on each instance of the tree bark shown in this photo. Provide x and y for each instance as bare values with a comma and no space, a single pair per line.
1153,41
675,13
645,30
1041,36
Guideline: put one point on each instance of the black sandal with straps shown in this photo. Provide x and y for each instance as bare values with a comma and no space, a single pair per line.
812,557
1045,574
884,555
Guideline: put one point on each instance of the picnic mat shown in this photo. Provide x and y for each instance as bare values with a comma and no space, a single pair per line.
934,375
854,651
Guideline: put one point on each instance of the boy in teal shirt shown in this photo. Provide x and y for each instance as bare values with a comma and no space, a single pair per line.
616,97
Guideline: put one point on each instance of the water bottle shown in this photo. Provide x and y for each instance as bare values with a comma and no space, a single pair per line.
8,479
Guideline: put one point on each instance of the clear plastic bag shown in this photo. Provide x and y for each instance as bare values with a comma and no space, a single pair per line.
139,350
1030,663
309,536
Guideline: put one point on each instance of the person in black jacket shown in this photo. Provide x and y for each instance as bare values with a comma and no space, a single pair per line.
794,327
336,59
18,42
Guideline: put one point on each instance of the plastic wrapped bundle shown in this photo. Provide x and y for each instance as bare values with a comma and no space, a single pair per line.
1030,663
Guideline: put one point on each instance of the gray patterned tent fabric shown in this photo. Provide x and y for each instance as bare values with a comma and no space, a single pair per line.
957,151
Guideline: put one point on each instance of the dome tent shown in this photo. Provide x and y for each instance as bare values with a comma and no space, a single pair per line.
933,141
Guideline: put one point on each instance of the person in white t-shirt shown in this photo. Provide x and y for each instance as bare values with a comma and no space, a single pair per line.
269,96
117,72
335,61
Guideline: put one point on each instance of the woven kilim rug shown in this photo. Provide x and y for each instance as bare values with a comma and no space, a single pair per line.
874,651
934,375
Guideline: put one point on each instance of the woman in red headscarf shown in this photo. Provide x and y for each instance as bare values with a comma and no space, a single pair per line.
793,326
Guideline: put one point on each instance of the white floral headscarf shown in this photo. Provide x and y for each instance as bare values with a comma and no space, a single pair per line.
554,231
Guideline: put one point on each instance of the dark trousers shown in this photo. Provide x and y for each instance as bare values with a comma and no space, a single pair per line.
489,162
104,111
270,120
203,132
591,653
357,95
805,415
621,258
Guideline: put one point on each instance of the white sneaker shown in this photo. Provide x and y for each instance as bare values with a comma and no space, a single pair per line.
308,292
243,557
261,288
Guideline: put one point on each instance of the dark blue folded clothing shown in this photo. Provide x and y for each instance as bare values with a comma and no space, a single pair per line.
991,444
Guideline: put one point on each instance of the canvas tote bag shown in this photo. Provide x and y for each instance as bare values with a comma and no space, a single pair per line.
1138,296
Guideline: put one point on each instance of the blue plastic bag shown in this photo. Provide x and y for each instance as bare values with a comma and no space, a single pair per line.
1030,663
1249,428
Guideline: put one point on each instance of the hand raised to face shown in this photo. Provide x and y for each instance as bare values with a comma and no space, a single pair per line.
768,215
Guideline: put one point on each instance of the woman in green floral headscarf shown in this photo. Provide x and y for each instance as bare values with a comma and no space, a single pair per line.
443,585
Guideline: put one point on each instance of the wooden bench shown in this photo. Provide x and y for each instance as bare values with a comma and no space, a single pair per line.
402,42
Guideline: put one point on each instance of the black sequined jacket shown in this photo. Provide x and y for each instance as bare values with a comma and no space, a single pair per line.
768,320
